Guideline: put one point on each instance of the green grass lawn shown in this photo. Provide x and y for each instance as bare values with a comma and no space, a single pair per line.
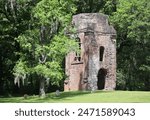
85,97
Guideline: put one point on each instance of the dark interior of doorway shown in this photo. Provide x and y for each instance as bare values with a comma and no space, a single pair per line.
101,78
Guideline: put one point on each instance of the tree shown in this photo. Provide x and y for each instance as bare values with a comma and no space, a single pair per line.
14,20
44,45
91,6
132,22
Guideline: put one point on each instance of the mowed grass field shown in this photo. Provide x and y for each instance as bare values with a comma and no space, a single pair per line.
85,97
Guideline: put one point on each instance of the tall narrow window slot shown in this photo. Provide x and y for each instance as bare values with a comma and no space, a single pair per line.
78,56
101,53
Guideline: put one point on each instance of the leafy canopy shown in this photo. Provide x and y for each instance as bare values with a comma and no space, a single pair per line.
45,45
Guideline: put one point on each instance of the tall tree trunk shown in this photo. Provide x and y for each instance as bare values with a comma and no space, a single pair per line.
42,60
42,88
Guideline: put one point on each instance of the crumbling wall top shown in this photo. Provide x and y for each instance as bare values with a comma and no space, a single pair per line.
93,22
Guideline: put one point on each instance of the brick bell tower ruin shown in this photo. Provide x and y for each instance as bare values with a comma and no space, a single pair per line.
95,67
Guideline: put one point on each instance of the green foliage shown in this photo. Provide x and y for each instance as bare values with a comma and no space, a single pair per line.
131,20
33,44
146,67
44,46
14,20
20,72
92,6
50,11
121,84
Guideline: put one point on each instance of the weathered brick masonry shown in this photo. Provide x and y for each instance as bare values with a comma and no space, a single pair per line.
95,67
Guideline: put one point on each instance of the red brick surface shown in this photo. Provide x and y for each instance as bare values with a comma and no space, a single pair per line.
90,73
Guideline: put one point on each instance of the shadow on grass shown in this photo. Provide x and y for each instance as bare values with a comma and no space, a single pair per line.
67,95
10,99
50,97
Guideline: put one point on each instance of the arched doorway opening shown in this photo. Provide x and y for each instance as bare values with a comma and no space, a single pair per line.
101,78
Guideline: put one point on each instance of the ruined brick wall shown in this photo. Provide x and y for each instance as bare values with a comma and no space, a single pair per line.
95,68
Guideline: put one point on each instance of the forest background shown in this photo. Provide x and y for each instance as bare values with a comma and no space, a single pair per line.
33,44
